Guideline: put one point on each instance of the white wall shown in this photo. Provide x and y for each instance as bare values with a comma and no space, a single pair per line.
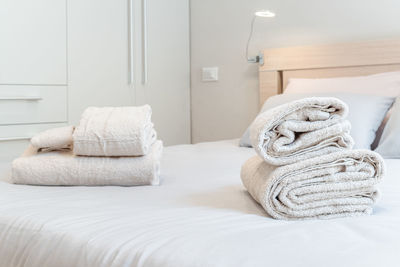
219,31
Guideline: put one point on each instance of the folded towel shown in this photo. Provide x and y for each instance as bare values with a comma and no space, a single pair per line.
334,185
64,168
114,131
301,129
54,139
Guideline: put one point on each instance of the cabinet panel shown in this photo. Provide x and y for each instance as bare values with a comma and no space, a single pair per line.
32,104
98,55
14,139
99,60
33,42
167,88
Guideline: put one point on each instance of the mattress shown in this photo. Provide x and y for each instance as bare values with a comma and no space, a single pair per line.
200,215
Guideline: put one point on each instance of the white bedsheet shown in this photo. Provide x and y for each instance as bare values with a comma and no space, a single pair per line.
200,215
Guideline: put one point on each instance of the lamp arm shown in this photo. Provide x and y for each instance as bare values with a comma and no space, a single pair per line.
249,39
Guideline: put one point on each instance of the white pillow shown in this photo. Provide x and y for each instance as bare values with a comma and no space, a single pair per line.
366,113
389,145
384,84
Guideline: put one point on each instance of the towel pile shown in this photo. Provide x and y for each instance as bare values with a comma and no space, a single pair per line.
110,146
306,167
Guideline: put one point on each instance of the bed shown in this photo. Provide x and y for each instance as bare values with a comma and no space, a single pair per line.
200,215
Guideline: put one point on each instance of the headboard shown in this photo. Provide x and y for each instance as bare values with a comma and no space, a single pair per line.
324,61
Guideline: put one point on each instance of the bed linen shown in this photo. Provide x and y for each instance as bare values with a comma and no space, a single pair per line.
200,215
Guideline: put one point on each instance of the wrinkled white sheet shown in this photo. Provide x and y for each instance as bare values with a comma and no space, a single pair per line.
200,215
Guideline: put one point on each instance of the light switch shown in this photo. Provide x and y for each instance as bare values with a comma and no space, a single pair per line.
210,74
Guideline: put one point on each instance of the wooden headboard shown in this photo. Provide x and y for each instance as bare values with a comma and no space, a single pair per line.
324,61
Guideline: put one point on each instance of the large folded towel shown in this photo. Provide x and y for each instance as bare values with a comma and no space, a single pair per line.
301,129
54,139
334,185
64,168
114,131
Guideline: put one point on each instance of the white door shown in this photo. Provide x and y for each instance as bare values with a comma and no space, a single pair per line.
100,35
166,66
98,55
33,42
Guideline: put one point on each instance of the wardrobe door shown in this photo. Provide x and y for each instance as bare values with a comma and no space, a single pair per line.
99,61
33,42
164,66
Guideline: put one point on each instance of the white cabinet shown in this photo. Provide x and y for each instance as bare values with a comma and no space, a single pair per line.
21,104
33,71
99,60
167,50
98,55
33,42
58,57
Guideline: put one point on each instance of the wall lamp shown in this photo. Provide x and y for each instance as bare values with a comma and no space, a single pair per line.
263,14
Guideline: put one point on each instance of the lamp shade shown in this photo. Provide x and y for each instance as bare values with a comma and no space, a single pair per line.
265,14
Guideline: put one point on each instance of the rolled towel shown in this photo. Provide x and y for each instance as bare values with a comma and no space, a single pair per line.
114,131
301,129
334,185
64,168
54,139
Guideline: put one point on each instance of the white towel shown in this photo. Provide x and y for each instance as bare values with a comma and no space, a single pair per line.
54,139
301,129
334,185
64,168
114,131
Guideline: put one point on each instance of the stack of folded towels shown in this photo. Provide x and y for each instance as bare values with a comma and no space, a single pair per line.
306,167
110,146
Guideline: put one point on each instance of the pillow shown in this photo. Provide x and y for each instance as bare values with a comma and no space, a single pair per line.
389,145
366,113
385,84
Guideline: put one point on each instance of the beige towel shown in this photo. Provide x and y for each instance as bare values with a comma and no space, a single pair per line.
301,129
64,168
54,139
114,131
334,185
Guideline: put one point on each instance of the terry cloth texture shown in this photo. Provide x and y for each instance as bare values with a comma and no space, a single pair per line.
114,131
334,185
301,129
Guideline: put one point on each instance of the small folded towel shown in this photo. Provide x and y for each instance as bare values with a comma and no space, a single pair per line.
301,129
54,139
114,131
334,185
64,168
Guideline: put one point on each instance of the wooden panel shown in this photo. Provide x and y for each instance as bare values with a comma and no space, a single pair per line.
337,72
270,84
33,42
23,104
324,61
380,52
